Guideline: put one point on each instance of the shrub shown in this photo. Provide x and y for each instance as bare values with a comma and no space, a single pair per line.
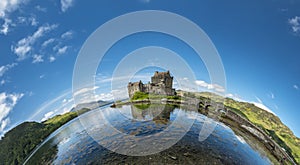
140,96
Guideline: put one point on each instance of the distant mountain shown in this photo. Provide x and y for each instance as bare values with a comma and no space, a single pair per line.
90,105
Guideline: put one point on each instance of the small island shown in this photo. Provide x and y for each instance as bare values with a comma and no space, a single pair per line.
161,84
160,89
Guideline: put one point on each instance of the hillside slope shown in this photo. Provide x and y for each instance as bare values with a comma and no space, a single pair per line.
19,142
267,121
271,124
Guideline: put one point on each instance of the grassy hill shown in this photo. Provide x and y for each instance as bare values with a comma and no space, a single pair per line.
271,124
19,142
267,121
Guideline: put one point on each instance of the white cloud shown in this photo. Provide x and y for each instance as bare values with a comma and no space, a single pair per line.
49,105
3,125
5,68
41,31
39,8
2,82
7,6
230,95
105,96
296,87
67,35
47,42
37,58
62,50
261,105
258,99
271,95
85,95
5,26
22,50
52,59
235,97
257,103
201,83
24,46
64,101
7,103
22,20
264,107
295,24
65,4
42,76
47,115
59,105
29,21
33,21
215,87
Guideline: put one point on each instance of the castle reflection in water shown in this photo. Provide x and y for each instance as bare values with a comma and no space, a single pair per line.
157,113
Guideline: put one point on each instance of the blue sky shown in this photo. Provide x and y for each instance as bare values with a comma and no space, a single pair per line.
258,42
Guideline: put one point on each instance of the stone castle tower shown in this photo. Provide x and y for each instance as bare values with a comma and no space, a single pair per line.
161,83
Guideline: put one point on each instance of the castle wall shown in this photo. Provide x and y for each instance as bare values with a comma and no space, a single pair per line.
134,87
161,83
162,78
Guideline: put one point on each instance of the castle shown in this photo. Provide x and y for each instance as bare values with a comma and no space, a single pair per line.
161,83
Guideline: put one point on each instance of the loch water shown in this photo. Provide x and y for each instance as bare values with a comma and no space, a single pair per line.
143,134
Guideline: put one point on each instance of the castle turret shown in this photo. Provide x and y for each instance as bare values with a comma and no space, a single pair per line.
162,77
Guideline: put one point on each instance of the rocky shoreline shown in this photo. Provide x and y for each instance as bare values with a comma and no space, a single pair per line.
277,151
243,124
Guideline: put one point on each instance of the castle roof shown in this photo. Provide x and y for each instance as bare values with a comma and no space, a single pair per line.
162,74
134,83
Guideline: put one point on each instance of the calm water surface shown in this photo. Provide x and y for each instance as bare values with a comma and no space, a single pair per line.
78,142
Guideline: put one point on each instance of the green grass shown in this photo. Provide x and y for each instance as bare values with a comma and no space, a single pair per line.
19,142
238,112
268,122
139,96
60,119
142,106
174,97
145,96
271,124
